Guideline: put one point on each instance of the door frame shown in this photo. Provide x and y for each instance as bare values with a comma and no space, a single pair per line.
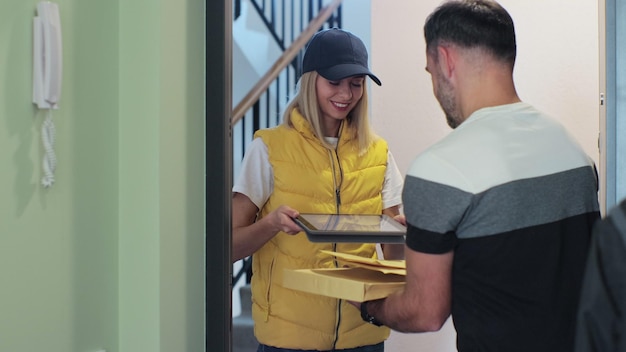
613,103
218,182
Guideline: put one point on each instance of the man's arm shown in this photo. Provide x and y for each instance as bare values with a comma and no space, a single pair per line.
424,304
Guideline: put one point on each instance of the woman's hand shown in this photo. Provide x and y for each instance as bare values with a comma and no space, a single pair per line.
282,220
400,218
248,234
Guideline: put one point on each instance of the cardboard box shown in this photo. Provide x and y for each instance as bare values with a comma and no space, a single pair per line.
365,279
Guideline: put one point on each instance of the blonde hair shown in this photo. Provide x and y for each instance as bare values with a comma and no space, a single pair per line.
305,101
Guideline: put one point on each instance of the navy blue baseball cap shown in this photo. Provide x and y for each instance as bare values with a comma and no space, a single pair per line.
336,54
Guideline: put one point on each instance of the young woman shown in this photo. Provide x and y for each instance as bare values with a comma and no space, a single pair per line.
324,158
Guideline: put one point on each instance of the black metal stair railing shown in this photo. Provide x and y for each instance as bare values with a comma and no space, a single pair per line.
301,13
284,21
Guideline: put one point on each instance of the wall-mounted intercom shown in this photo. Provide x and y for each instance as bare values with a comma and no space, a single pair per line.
47,76
47,56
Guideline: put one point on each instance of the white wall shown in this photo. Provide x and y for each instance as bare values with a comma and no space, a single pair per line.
556,70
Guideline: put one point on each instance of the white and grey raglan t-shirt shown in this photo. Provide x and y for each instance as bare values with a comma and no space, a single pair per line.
515,197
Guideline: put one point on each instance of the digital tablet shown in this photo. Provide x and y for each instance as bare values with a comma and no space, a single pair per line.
364,228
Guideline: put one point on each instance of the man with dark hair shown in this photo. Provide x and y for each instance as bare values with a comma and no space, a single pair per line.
499,212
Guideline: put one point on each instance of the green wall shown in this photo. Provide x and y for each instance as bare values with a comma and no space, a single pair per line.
162,175
111,256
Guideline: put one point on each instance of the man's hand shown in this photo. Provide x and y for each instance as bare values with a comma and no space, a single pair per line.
356,304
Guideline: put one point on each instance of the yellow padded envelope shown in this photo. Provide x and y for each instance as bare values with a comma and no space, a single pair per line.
385,266
363,279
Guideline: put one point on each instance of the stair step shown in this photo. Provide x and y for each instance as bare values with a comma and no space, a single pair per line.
243,325
245,297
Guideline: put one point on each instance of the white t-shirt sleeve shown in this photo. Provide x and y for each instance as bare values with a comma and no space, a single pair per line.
256,177
392,187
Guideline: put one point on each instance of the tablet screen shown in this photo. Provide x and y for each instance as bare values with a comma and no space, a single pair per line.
351,228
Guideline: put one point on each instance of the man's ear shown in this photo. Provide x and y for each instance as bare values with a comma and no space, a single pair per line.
446,60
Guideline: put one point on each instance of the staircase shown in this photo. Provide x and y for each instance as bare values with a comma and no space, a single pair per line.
268,41
243,326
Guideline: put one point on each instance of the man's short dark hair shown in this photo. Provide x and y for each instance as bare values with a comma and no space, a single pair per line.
473,24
